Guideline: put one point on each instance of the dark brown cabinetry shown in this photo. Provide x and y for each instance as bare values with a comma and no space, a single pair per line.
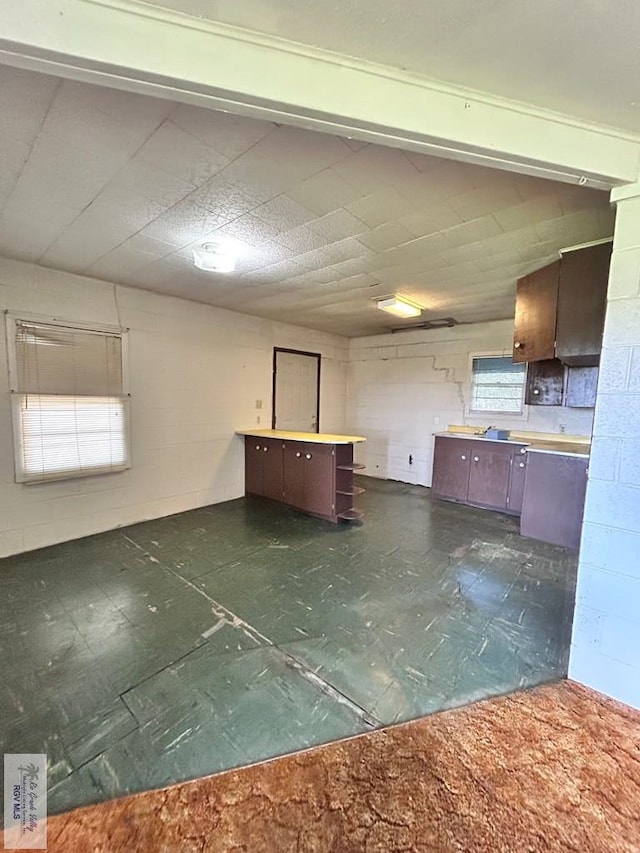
314,477
560,309
309,479
477,472
516,481
263,467
582,297
554,493
451,468
545,383
582,384
535,321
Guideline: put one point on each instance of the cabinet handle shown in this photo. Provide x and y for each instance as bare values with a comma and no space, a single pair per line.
521,464
257,447
536,390
522,450
517,345
298,455
463,457
476,458
265,449
307,456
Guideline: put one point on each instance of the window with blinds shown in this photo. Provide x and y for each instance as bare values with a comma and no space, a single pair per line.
497,385
70,406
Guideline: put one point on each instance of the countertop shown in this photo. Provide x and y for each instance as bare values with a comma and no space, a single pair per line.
312,437
538,445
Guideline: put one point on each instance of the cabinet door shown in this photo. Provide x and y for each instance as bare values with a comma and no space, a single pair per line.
582,297
319,479
451,467
545,383
516,481
293,473
272,461
553,502
581,387
535,321
489,476
253,466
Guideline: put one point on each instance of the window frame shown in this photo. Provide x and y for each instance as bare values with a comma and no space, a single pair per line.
521,413
16,395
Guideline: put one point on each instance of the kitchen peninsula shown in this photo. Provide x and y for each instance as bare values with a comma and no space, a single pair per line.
310,471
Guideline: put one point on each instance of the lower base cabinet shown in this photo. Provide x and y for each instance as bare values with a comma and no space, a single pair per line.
554,494
479,472
314,477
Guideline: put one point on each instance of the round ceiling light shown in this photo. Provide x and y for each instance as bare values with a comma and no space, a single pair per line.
214,257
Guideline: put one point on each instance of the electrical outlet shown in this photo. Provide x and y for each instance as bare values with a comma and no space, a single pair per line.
563,428
436,420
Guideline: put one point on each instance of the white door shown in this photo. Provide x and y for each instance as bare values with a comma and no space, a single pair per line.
296,391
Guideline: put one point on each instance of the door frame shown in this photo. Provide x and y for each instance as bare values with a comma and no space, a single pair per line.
315,355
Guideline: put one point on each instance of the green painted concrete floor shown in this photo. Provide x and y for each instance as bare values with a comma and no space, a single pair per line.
227,635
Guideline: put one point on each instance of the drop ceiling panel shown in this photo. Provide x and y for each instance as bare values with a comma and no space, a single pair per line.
123,187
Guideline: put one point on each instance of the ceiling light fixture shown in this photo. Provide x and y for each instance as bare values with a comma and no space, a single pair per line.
399,307
214,257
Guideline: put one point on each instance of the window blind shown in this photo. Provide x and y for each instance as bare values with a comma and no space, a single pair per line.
70,410
497,385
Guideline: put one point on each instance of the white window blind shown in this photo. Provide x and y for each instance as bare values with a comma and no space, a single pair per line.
69,402
497,385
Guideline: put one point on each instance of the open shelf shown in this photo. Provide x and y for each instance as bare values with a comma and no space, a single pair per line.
353,490
352,514
352,466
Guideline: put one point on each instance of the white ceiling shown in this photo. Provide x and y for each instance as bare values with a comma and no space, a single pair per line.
579,57
121,187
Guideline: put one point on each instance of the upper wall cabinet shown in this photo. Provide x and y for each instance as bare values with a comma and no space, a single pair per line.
560,309
582,298
536,307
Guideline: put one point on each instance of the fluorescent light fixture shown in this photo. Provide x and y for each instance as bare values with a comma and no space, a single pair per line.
399,307
214,257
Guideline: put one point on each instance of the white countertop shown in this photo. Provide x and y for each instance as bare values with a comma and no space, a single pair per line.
311,437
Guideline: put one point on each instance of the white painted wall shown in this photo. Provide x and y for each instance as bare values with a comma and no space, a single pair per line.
196,373
399,384
605,649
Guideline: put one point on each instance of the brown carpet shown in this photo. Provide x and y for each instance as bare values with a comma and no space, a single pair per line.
556,768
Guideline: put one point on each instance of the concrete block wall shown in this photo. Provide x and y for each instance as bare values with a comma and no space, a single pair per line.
196,373
405,387
605,649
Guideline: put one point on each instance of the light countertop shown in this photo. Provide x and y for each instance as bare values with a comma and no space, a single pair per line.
311,437
533,444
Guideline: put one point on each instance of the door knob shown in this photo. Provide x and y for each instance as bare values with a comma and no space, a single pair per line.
521,464
536,390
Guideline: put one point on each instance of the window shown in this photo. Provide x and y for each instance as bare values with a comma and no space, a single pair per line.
69,400
497,385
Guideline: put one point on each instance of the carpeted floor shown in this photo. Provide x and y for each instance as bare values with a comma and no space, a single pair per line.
556,768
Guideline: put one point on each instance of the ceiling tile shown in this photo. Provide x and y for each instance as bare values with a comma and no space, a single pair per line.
325,192
25,97
178,153
383,206
386,236
227,134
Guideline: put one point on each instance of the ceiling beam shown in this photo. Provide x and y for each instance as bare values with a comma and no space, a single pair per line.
130,45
